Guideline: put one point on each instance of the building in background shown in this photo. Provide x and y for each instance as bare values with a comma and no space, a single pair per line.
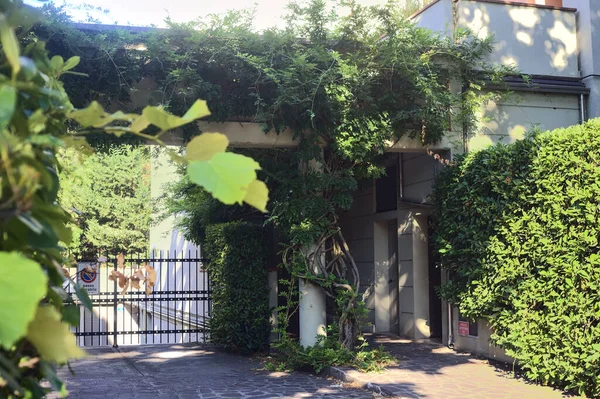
549,41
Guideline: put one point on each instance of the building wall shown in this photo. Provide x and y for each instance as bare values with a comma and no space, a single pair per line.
508,120
588,37
437,17
357,227
391,250
419,171
535,40
479,344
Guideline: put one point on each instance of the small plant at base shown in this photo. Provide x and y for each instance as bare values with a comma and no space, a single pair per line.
328,351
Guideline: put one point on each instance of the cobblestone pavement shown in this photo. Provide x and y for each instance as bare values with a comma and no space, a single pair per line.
435,372
183,371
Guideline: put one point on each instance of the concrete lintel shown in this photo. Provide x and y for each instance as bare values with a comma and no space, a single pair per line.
408,144
250,135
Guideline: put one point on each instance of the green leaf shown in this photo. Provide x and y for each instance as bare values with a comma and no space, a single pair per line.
92,115
57,384
56,63
82,294
165,121
95,116
37,123
257,195
52,337
31,223
57,296
8,101
23,285
71,63
139,124
70,314
226,176
10,44
28,68
205,146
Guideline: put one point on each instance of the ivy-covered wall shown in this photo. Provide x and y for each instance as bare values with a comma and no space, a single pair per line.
518,229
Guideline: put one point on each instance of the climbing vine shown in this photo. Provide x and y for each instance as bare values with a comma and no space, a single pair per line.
347,85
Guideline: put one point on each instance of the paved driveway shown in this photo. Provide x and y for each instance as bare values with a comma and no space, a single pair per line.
433,371
184,371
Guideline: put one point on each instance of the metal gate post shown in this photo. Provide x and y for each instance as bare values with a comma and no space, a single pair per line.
115,317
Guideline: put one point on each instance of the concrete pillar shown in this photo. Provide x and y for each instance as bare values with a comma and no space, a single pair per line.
413,274
421,276
382,277
312,302
313,315
273,295
405,274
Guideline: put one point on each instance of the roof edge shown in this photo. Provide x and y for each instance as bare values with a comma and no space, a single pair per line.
519,4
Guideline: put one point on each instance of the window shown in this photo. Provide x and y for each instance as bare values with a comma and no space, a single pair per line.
467,327
386,187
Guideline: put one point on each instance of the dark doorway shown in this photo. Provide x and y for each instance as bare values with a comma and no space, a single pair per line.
386,188
392,228
435,280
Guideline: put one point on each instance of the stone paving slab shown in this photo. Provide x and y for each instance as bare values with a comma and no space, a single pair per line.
432,371
188,371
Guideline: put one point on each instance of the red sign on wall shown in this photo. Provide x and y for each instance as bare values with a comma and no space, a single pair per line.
463,328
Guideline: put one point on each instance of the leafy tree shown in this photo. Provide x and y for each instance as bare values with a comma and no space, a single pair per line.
35,112
108,196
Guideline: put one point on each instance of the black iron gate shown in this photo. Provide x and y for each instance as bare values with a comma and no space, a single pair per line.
126,312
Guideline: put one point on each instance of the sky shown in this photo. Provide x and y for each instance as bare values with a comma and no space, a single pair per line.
153,12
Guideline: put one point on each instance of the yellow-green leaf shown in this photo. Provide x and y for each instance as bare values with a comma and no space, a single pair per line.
257,195
165,121
198,110
139,124
8,101
92,115
10,44
226,176
37,121
95,116
205,146
71,63
57,62
22,286
52,337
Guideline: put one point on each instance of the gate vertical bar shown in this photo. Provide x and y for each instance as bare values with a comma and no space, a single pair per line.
115,314
198,265
189,299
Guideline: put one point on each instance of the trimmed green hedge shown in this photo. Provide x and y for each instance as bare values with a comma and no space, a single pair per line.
518,227
240,293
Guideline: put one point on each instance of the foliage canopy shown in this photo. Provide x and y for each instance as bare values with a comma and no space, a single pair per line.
108,196
517,226
347,86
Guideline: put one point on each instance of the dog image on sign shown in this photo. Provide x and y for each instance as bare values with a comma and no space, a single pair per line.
88,276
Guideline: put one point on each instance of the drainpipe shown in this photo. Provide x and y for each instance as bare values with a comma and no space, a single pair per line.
450,336
582,108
